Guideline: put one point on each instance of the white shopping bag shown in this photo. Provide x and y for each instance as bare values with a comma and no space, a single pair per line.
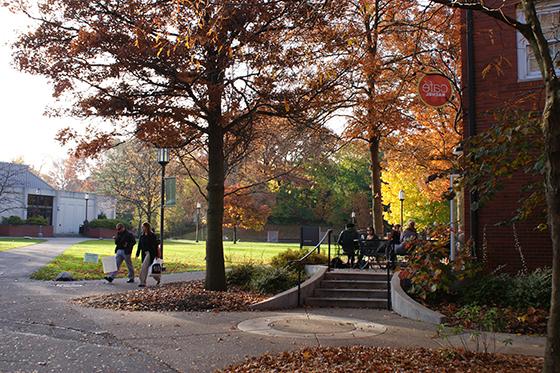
156,261
109,264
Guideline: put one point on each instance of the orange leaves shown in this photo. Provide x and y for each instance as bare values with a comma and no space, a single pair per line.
384,359
179,296
247,211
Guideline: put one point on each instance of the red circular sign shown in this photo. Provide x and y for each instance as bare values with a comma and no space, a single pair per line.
435,89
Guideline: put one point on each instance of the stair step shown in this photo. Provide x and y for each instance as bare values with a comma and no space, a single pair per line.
350,293
353,284
358,276
346,302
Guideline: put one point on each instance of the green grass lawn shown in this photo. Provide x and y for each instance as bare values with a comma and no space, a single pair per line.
12,243
179,256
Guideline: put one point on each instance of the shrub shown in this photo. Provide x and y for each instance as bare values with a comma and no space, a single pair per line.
521,291
282,259
273,281
106,223
432,275
241,275
37,220
486,290
476,317
13,220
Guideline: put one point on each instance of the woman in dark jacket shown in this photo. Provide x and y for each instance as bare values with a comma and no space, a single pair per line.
148,245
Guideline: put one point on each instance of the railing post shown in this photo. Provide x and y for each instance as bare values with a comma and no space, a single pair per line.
329,244
299,288
389,265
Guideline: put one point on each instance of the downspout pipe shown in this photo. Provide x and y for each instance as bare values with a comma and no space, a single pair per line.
471,117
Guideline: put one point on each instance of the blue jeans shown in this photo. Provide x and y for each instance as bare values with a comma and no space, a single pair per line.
120,257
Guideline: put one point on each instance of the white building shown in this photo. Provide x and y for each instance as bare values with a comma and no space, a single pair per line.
24,194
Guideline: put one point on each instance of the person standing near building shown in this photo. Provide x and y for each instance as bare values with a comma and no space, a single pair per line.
124,242
148,245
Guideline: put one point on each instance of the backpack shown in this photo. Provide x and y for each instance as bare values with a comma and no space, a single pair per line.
131,240
337,263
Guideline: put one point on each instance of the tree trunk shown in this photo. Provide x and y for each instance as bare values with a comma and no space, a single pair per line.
377,206
551,131
215,270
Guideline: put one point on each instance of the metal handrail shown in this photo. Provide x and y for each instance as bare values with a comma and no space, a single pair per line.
301,260
389,255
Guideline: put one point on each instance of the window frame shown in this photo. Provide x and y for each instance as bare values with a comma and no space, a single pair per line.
523,73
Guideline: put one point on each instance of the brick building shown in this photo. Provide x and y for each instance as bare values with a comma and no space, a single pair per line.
498,70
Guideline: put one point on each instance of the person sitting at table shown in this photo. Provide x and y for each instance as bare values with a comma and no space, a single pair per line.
395,234
408,235
370,234
348,239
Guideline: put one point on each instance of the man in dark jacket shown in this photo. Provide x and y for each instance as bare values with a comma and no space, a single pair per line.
124,242
348,239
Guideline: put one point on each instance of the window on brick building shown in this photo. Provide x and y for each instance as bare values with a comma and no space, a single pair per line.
549,15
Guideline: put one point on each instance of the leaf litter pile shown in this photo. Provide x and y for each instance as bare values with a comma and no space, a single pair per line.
383,359
178,296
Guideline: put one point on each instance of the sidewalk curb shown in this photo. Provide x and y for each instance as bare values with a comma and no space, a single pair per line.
407,307
289,298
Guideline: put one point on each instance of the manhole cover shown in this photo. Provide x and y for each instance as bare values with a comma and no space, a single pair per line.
311,326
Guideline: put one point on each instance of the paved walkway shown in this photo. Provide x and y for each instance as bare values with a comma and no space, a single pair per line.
43,332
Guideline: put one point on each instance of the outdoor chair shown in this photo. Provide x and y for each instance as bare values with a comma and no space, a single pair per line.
374,252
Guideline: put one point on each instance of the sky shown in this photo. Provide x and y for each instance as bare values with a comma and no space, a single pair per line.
26,132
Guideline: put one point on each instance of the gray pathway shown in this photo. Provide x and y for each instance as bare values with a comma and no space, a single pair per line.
42,332
21,262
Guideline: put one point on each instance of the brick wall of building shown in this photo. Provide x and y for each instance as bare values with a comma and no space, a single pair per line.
497,86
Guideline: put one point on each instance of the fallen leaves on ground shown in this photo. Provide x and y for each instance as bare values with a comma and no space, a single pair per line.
527,321
382,359
178,296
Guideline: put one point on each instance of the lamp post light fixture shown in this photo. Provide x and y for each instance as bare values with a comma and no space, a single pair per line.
86,197
198,207
353,215
401,198
163,160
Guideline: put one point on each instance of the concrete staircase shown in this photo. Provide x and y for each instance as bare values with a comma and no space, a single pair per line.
351,289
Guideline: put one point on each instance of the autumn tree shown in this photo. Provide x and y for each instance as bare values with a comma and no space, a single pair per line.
246,210
64,174
11,179
384,40
174,72
532,31
423,202
130,173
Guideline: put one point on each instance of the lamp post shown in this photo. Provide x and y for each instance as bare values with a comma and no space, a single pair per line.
163,160
452,217
86,197
401,198
198,207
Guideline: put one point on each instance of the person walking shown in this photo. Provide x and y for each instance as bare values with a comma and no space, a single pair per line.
124,242
148,245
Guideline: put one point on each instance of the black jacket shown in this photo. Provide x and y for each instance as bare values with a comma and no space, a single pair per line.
148,243
347,239
125,241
